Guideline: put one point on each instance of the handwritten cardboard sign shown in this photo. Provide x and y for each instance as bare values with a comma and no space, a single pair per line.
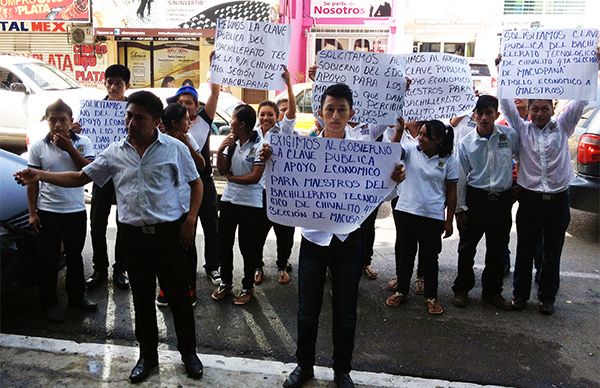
442,87
103,122
549,64
327,184
377,82
250,54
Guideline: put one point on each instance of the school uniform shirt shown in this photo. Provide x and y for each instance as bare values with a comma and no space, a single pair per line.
185,190
487,164
243,159
424,189
465,126
148,188
365,132
44,155
200,130
284,127
544,160
406,139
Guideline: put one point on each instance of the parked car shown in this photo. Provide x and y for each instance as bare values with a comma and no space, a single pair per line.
584,145
27,86
305,120
484,76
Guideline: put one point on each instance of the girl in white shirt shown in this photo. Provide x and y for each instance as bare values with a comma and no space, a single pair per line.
425,209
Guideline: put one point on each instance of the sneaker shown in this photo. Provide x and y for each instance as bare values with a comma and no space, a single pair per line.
244,297
259,276
161,299
214,276
396,299
221,292
192,296
288,268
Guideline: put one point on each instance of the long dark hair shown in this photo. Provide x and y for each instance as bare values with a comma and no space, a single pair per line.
438,130
172,114
247,115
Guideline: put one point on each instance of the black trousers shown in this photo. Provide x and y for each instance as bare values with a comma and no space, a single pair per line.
209,220
493,218
546,215
425,232
420,260
368,236
247,218
156,252
102,201
345,261
284,235
70,228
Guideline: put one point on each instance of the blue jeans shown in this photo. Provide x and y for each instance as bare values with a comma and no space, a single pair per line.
546,216
345,261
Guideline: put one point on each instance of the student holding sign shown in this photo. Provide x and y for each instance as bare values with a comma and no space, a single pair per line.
342,253
239,162
269,122
428,192
545,172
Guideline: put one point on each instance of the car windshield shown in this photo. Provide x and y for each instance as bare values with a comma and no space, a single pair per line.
47,77
479,70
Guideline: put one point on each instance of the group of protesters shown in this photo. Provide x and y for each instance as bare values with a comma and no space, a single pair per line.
160,176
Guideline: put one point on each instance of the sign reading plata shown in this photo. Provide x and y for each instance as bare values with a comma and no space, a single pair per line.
377,82
250,54
442,87
328,184
549,64
103,122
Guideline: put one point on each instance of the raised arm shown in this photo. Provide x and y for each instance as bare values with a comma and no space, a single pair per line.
570,116
512,114
211,103
291,111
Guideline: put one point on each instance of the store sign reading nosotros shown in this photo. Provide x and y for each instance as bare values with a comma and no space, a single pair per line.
103,122
549,64
441,88
250,54
328,184
377,82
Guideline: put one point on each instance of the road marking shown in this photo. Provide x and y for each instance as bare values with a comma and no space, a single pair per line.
259,335
211,361
568,274
273,317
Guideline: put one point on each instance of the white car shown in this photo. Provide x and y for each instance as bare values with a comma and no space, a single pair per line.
484,76
27,87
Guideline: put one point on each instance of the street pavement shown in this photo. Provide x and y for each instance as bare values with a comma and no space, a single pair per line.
405,345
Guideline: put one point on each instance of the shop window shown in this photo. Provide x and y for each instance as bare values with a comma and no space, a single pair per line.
304,101
429,47
455,48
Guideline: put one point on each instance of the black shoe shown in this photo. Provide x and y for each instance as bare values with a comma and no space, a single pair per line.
299,376
97,279
518,304
498,301
193,365
83,304
142,370
546,308
288,268
461,299
54,314
343,380
120,280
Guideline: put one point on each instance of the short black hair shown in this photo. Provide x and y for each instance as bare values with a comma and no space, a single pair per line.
282,101
118,71
531,101
245,114
58,106
338,91
173,113
147,100
486,101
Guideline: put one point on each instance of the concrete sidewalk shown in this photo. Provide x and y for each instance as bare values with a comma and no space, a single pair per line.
43,362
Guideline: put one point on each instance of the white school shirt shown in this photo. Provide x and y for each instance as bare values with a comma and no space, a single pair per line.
44,155
424,189
544,160
148,188
284,127
186,190
486,164
243,159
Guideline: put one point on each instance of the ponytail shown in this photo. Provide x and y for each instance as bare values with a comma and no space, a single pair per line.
437,130
448,142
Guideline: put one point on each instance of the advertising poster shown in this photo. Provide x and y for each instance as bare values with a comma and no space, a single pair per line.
138,61
179,60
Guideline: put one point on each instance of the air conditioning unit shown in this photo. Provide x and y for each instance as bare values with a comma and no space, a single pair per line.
80,35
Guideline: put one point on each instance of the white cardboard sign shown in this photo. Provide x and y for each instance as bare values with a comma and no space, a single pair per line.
103,122
377,82
328,184
250,54
549,64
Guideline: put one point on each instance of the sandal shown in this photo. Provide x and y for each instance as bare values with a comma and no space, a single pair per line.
433,306
392,284
283,278
370,272
419,286
396,299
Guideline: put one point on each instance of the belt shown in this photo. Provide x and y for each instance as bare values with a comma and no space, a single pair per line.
155,228
545,196
491,196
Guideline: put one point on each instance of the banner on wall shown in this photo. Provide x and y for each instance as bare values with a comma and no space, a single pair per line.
40,10
120,16
355,9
